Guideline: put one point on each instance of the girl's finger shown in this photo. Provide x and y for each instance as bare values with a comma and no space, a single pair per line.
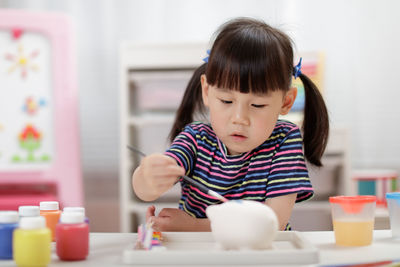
150,212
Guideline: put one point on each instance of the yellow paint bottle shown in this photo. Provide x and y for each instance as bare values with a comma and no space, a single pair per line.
32,242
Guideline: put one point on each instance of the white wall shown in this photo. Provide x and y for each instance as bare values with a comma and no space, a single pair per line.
361,40
359,37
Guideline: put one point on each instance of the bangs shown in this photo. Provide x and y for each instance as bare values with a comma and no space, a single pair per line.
250,59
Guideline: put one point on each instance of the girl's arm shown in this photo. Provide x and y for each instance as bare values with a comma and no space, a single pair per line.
177,220
283,206
156,174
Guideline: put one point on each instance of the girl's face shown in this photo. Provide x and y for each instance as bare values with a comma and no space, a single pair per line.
244,121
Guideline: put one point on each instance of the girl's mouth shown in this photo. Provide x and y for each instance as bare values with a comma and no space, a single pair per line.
238,137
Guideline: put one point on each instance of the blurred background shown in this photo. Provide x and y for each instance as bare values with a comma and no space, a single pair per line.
358,61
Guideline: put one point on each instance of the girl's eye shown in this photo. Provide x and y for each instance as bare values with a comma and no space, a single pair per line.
258,106
226,101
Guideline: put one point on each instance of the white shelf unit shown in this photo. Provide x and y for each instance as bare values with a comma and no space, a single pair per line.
152,79
334,178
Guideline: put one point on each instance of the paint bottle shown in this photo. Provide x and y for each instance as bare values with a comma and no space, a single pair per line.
32,242
77,209
28,211
50,211
72,237
8,222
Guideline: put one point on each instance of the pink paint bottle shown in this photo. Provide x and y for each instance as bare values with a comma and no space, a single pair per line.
72,237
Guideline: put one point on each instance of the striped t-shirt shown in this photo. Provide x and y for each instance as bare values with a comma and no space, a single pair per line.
275,168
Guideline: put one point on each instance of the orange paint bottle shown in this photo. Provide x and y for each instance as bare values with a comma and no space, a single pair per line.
50,211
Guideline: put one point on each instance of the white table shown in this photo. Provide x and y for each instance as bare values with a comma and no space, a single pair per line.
106,249
383,248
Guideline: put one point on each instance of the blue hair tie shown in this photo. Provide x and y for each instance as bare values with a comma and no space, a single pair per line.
206,58
297,69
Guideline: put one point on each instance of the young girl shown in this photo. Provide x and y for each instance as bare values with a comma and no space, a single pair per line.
245,152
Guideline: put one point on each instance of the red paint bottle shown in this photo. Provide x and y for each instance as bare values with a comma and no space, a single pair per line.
72,237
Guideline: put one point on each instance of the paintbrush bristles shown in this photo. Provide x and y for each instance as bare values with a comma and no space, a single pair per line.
215,194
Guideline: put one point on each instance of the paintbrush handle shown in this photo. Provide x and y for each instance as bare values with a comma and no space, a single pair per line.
131,148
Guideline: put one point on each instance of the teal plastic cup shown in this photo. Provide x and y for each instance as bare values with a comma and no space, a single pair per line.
393,201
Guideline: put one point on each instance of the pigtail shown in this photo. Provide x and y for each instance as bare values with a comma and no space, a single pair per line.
191,103
315,123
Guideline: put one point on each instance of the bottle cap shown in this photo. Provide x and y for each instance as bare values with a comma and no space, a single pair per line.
8,216
49,205
72,217
75,209
28,211
37,222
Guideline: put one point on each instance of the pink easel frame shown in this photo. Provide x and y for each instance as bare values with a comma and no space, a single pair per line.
65,170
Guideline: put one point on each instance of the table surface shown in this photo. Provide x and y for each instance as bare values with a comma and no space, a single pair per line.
106,250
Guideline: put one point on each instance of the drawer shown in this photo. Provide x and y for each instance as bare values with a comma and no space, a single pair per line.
157,90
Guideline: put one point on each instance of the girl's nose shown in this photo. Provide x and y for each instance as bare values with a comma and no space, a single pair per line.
240,116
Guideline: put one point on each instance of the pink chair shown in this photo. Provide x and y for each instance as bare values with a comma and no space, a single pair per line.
39,156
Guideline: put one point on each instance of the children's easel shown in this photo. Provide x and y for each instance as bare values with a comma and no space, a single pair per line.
39,139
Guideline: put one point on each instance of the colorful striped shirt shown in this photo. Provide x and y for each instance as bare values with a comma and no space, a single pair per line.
275,168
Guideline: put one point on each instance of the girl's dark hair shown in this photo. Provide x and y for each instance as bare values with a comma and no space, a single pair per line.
252,57
190,104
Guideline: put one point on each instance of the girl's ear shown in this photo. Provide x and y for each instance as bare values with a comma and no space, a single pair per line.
288,100
204,89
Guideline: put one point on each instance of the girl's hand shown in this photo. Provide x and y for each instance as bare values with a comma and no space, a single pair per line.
175,220
156,174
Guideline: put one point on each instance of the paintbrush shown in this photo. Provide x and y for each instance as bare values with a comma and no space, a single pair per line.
191,181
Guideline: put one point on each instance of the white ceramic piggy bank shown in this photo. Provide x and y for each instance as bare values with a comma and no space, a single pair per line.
243,224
